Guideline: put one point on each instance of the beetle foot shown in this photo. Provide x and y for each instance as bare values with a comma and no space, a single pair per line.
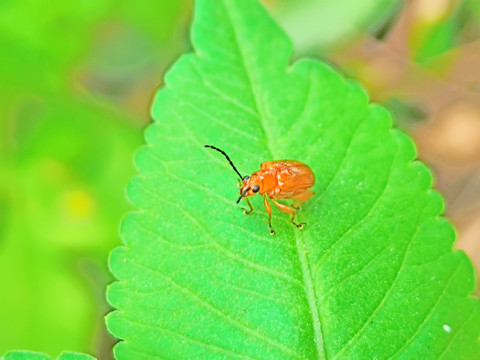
272,232
299,226
247,212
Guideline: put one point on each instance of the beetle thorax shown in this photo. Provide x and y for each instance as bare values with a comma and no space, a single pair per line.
266,180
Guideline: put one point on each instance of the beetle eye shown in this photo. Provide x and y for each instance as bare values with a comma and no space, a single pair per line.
255,188
245,178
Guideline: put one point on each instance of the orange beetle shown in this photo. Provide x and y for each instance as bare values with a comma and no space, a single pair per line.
283,179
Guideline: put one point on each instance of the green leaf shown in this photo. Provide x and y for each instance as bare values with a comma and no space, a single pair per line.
74,356
372,275
25,355
30,355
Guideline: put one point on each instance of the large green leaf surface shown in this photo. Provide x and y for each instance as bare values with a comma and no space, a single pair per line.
372,275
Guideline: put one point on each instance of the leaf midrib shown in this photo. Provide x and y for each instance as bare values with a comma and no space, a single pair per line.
301,246
248,75
310,295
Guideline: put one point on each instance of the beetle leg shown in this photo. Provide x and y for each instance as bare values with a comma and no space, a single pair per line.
289,210
301,198
246,212
269,212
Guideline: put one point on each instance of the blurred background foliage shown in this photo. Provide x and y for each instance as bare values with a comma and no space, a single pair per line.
76,81
77,78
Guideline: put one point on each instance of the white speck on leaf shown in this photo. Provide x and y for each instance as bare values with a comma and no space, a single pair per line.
447,328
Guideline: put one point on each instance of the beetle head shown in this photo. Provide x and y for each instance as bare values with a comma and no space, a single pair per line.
249,187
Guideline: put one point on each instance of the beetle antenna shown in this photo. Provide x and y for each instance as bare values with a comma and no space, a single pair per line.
230,161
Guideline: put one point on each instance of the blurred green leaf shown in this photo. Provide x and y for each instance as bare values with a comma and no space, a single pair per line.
66,168
25,355
145,14
60,30
66,155
28,355
327,24
373,273
435,40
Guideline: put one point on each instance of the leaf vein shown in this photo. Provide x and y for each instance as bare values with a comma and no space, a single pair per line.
215,120
358,272
304,108
220,248
161,239
223,95
385,296
249,75
341,163
374,206
430,313
189,339
240,325
311,296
